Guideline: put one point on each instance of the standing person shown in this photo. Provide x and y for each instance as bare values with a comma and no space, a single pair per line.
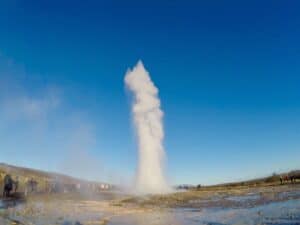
3,194
32,185
1,183
16,184
8,185
26,186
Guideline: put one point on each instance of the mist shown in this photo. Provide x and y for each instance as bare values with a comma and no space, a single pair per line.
39,129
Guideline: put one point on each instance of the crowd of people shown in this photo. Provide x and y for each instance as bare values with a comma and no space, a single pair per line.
11,185
26,186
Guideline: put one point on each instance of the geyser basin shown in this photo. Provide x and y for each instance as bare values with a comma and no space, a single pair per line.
147,115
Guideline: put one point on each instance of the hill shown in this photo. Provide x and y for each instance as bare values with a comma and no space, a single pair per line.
48,181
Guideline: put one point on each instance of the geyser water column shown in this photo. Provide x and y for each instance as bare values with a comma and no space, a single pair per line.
147,115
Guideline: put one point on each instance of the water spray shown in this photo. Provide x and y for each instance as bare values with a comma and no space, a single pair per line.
147,117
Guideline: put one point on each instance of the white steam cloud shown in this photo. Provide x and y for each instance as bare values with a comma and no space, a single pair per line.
150,177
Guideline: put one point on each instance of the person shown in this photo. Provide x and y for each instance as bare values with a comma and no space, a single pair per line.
16,184
31,185
26,186
8,185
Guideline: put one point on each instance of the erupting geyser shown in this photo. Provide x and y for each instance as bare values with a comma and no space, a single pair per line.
147,116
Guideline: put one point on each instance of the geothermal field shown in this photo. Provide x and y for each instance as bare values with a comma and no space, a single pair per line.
42,198
161,112
257,202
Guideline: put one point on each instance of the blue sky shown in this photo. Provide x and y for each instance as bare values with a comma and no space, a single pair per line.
227,72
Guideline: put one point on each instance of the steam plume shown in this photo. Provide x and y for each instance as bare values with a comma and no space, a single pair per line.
147,115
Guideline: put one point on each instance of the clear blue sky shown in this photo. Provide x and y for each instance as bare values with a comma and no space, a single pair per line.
228,74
